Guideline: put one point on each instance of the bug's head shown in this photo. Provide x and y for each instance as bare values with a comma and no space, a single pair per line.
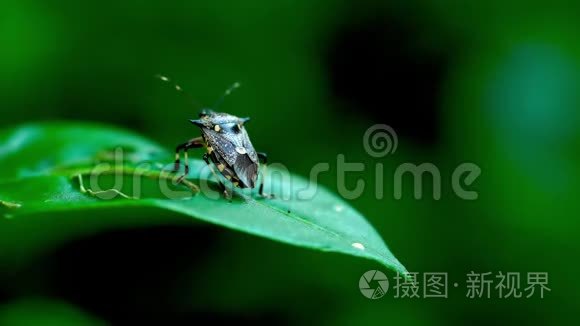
219,121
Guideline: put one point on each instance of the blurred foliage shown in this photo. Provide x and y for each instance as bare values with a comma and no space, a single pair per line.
37,311
496,81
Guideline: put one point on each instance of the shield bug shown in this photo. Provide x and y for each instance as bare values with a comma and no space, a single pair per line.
228,147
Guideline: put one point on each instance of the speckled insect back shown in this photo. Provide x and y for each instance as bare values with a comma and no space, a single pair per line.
228,147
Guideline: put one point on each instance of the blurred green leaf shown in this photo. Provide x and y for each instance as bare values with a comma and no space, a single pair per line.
46,167
41,311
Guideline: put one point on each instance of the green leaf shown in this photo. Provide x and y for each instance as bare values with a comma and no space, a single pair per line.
45,167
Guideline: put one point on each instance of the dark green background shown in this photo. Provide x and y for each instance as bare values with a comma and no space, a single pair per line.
495,83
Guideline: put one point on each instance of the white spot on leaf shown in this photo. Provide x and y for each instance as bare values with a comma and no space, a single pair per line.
358,245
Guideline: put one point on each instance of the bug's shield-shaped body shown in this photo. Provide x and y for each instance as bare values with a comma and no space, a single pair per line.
229,147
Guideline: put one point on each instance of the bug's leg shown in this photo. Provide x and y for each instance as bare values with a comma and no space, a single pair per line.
221,185
263,158
193,143
228,194
178,149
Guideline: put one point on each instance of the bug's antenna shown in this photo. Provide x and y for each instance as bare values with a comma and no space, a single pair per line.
226,93
178,88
